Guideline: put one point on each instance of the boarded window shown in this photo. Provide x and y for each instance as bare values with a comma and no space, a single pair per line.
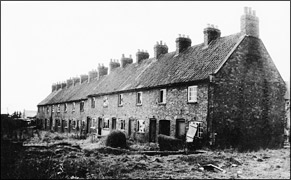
192,94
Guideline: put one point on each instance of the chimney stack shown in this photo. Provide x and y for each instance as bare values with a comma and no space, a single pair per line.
113,64
141,55
63,85
69,82
54,87
124,60
182,43
211,33
102,70
160,49
59,85
76,80
92,75
84,77
249,23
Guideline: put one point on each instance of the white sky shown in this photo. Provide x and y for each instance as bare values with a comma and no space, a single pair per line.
46,42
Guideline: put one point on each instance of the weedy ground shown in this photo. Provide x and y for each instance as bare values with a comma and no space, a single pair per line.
63,156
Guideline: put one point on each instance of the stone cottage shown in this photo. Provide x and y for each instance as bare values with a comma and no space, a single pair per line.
228,85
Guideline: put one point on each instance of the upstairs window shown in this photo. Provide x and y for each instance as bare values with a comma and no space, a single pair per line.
105,101
48,109
192,94
120,99
93,102
59,108
162,96
53,108
139,98
65,107
43,109
73,107
82,106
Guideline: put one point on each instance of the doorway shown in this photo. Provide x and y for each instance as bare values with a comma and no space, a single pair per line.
113,125
88,124
99,125
180,129
164,127
152,131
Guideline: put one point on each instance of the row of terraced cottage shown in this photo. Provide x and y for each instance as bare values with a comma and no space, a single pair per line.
228,85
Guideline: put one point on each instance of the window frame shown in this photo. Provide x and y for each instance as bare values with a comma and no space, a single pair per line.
105,101
138,126
139,98
82,104
199,131
93,123
59,108
122,124
93,102
74,124
194,96
65,107
73,106
53,108
120,100
162,101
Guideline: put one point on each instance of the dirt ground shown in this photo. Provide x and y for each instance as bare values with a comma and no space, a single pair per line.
52,155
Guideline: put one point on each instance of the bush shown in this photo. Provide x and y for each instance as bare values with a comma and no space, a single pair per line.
168,143
116,139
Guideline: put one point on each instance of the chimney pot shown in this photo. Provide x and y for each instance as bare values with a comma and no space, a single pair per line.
124,61
182,44
250,23
210,34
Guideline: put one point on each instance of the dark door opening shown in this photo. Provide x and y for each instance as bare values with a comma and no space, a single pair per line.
113,123
88,125
45,124
51,123
181,129
153,130
164,127
69,126
63,126
99,125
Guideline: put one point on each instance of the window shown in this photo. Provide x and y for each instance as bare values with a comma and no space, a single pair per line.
43,109
192,94
139,98
113,124
105,101
59,108
53,108
93,102
66,123
83,124
74,106
106,123
141,126
82,106
162,96
120,99
48,109
199,130
122,124
93,123
74,124
58,122
66,107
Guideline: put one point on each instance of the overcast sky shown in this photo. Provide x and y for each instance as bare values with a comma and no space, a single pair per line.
47,42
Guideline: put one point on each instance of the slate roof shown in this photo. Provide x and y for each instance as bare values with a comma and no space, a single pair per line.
195,63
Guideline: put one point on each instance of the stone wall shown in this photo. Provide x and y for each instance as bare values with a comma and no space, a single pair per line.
247,99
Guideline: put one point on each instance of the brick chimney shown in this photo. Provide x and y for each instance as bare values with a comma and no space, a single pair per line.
84,77
124,60
141,55
69,82
211,33
64,84
102,70
160,49
76,80
54,87
249,23
59,85
182,43
92,75
113,64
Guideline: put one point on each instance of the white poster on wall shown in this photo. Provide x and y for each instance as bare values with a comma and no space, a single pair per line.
191,131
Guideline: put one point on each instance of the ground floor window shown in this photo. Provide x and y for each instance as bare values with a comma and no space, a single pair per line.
141,126
93,123
58,122
106,123
180,128
122,124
